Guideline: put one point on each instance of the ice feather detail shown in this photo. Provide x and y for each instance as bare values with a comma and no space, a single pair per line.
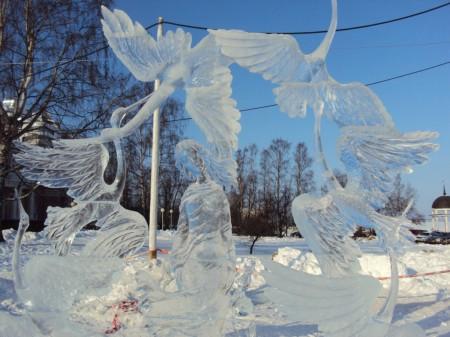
208,97
122,233
327,229
374,156
215,113
79,168
277,57
345,104
139,52
62,224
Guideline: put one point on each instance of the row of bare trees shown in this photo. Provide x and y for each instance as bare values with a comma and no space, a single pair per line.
267,183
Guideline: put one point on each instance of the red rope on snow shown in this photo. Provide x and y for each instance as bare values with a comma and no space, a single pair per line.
416,275
115,325
123,306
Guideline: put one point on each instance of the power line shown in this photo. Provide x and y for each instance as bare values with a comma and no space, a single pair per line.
391,45
81,58
369,25
367,84
394,45
105,46
259,107
176,120
409,74
53,62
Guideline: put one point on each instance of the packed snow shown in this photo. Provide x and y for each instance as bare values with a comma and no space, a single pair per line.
424,296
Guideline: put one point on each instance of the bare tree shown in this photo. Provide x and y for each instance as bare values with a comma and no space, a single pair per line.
266,197
303,174
251,196
138,151
172,182
243,198
52,63
402,194
236,195
278,152
136,191
261,203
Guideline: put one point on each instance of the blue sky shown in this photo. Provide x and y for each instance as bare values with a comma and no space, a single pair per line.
419,102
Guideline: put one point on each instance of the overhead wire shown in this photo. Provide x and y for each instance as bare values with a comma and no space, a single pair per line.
356,47
394,45
364,26
105,46
408,74
367,84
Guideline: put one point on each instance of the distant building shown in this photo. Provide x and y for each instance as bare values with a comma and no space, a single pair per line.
42,133
440,213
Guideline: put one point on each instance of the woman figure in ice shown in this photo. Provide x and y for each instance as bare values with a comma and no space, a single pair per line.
203,258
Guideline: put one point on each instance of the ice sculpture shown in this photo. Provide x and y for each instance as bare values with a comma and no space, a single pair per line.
203,262
79,164
24,223
201,71
370,147
202,257
80,168
372,151
48,286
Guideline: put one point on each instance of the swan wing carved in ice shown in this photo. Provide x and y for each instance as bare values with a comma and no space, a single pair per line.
79,167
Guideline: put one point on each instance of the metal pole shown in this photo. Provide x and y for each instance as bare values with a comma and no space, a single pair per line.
153,216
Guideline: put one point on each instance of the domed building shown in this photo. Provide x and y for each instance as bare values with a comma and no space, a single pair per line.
440,213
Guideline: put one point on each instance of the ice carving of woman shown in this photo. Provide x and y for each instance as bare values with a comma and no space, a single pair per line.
203,258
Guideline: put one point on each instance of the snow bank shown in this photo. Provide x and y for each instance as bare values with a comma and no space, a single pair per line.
248,275
10,235
411,266
298,260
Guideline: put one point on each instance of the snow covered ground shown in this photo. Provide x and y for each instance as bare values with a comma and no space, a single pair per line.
423,299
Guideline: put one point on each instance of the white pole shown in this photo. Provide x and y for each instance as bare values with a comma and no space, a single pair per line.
153,216
446,220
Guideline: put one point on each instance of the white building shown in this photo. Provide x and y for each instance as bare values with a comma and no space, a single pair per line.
440,213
